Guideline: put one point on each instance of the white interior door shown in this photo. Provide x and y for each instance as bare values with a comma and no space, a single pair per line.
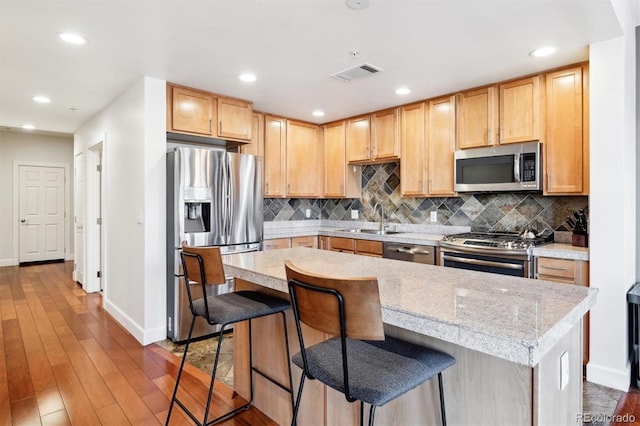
78,222
41,208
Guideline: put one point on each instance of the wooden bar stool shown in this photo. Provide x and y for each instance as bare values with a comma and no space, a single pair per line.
203,265
360,361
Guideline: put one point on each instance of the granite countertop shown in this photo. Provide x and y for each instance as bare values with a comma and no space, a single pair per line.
512,318
562,251
430,236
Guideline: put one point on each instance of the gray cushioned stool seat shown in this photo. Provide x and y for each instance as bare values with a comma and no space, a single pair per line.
239,306
379,371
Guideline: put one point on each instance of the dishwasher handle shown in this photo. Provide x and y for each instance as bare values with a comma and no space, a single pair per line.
405,250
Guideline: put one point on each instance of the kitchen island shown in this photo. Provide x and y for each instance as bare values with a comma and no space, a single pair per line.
517,341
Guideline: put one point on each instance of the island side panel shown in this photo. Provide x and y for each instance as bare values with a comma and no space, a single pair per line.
479,390
554,405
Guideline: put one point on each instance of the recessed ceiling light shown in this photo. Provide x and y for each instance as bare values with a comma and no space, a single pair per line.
41,99
403,91
247,77
542,51
318,113
28,126
73,38
358,4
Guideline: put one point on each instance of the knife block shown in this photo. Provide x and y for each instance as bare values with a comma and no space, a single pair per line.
580,240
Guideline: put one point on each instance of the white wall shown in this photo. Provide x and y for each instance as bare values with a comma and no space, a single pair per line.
37,148
133,129
612,201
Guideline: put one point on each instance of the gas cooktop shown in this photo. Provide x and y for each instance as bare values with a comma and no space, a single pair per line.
493,240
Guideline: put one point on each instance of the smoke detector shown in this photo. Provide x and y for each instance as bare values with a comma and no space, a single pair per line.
358,4
357,72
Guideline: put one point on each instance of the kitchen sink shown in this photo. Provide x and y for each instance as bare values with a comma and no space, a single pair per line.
369,231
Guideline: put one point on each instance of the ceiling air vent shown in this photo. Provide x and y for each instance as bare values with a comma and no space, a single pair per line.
354,73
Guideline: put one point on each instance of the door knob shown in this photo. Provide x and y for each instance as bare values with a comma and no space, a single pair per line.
23,220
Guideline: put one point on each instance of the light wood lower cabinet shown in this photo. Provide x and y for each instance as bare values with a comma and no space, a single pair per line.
343,245
323,242
368,247
353,245
310,241
567,271
276,243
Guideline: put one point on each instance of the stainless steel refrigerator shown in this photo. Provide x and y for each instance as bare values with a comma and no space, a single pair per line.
214,198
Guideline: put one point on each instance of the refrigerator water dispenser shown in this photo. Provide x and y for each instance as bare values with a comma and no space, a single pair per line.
197,217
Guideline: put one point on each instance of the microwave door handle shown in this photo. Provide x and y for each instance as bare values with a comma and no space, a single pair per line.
516,167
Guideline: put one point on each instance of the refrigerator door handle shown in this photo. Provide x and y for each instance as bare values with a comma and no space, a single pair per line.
228,197
225,199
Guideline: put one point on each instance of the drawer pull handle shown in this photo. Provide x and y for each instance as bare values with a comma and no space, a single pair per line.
556,268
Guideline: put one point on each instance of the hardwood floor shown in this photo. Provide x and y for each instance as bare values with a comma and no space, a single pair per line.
628,409
64,360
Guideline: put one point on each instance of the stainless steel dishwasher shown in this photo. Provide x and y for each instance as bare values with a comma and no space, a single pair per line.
409,252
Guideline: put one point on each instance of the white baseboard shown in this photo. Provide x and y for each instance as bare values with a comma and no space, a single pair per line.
69,256
8,262
145,337
611,378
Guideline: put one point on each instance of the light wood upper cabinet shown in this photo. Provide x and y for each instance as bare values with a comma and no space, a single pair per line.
413,170
358,139
477,118
190,111
256,146
520,110
428,141
566,147
340,179
373,138
384,135
303,159
441,144
275,139
234,119
202,113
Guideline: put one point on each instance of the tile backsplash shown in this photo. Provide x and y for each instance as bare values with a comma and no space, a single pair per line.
480,211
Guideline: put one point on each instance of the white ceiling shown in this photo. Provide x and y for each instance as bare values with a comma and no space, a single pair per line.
432,46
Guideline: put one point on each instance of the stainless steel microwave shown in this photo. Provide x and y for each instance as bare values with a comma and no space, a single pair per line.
513,167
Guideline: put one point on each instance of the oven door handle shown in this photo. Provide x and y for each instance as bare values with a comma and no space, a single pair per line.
483,262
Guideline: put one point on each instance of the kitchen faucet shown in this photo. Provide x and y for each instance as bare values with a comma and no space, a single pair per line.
381,215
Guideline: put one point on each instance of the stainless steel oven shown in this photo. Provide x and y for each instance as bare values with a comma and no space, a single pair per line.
505,264
498,253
